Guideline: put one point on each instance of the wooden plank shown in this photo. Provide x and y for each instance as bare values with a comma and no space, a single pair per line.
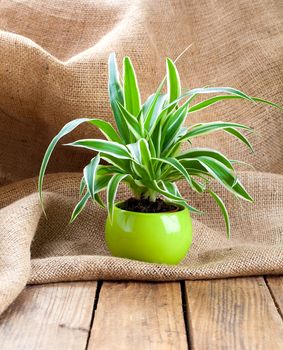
236,313
275,284
52,316
139,316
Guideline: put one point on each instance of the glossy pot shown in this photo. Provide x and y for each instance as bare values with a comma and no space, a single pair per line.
152,237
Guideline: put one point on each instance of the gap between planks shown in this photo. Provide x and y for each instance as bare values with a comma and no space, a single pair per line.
237,313
136,315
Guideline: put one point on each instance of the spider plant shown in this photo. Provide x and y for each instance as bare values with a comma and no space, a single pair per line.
144,150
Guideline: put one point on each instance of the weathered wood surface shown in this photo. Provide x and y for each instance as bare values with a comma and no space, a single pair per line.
238,313
139,316
49,317
275,285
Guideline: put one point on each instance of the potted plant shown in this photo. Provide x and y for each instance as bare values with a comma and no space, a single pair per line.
145,152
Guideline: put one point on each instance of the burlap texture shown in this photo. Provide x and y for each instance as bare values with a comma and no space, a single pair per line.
54,68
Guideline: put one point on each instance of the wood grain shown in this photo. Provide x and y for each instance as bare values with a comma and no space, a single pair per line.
275,284
236,313
49,317
139,316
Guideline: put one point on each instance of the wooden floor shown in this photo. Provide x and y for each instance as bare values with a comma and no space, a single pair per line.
238,313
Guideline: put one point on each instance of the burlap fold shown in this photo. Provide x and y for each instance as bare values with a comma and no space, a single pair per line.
54,68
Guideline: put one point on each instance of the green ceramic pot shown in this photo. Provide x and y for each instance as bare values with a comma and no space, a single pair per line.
153,237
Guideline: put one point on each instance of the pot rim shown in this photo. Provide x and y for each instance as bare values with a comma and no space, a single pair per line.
182,209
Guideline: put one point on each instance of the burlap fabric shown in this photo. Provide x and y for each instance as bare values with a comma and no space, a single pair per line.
54,68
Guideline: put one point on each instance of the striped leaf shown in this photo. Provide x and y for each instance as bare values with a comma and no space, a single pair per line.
224,211
175,198
213,100
173,82
239,136
98,200
154,117
206,152
100,184
104,127
223,175
213,90
146,159
131,121
112,191
107,130
140,151
116,95
182,170
122,164
149,113
206,128
79,207
131,90
90,174
173,125
82,186
112,148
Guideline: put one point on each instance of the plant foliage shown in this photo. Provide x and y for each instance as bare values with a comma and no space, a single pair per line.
144,150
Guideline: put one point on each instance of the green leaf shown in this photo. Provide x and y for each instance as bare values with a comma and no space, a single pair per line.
90,174
219,171
154,185
140,151
148,115
173,125
139,171
206,128
261,100
151,147
241,192
173,82
69,127
82,186
213,100
213,90
108,169
175,196
135,151
100,183
105,127
206,152
131,122
98,200
171,187
116,95
112,191
223,175
182,170
224,211
146,157
122,164
131,90
154,117
112,148
240,162
79,207
107,130
239,136
193,163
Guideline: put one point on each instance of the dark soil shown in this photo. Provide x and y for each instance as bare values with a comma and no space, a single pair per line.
146,206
